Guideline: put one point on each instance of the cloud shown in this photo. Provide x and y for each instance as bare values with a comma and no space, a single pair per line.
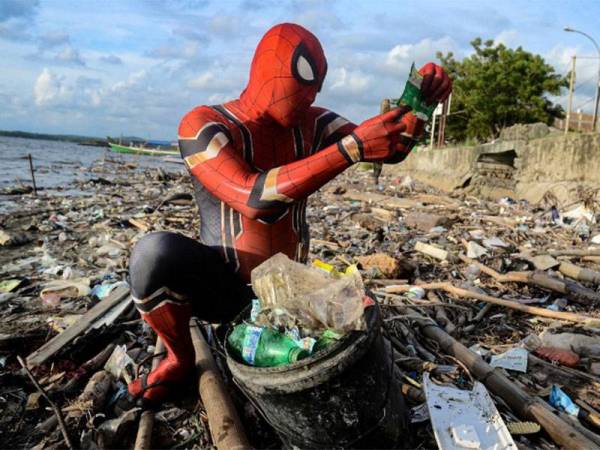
48,88
202,81
170,50
225,26
53,39
400,57
10,9
510,38
70,55
586,74
15,15
111,59
344,81
209,80
14,30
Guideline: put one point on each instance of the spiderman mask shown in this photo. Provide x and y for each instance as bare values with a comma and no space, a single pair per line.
287,71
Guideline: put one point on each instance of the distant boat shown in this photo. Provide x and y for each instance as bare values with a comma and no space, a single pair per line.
142,150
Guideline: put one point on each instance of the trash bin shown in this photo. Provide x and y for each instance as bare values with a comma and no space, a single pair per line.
345,396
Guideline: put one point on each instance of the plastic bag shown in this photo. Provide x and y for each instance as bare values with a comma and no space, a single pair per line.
310,297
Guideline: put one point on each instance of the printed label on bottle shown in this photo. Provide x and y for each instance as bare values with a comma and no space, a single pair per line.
250,345
256,307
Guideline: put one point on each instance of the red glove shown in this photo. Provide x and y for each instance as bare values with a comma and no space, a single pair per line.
378,137
437,85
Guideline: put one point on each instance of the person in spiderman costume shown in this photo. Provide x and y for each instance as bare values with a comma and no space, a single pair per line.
253,163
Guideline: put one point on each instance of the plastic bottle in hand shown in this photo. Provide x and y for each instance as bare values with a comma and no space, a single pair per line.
264,347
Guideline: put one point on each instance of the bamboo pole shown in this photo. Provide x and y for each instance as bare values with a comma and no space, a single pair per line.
575,252
32,174
143,439
571,89
464,293
224,423
524,405
579,273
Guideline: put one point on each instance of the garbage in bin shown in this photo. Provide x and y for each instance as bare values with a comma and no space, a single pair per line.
264,347
313,298
300,309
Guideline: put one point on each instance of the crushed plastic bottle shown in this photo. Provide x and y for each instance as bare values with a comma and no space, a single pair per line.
264,347
312,298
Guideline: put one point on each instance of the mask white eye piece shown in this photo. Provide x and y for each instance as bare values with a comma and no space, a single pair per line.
303,68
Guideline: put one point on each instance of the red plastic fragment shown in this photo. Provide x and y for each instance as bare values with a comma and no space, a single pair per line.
558,355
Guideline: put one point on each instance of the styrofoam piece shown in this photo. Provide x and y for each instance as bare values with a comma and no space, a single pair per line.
513,359
465,419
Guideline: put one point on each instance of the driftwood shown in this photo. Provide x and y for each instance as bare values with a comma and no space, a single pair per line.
55,408
225,425
464,293
576,292
579,273
523,404
143,439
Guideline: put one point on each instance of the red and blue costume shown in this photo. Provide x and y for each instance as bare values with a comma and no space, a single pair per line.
253,162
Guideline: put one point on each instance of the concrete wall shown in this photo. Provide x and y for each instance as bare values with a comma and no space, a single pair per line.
556,163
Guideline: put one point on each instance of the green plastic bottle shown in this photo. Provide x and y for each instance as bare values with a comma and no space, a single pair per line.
264,347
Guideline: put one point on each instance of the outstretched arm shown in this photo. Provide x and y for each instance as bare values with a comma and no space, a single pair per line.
206,148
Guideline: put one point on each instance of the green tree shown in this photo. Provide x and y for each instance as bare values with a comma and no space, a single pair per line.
496,87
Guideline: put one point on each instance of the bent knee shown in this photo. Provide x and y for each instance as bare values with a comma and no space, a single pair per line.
150,262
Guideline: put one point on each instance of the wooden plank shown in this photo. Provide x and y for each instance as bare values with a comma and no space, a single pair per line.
57,342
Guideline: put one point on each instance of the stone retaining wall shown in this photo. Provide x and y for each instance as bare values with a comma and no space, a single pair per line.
556,163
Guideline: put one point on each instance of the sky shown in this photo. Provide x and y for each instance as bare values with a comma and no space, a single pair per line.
135,67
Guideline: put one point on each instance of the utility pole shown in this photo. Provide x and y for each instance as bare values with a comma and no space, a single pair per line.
571,86
432,137
443,118
595,121
597,102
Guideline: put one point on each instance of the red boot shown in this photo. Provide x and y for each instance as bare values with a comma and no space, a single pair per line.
171,322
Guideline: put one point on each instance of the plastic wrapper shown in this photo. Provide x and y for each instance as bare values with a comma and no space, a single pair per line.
311,298
412,96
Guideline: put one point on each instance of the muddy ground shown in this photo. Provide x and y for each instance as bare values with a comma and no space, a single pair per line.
85,241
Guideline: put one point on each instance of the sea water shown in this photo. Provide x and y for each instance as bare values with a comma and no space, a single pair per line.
59,166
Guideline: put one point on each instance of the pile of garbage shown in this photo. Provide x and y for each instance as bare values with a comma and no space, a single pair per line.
470,290
63,275
300,310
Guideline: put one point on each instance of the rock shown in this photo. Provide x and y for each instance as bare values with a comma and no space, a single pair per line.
387,266
424,221
474,250
525,131
367,221
4,237
383,214
544,262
